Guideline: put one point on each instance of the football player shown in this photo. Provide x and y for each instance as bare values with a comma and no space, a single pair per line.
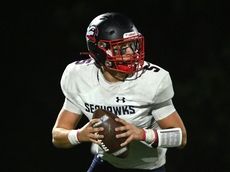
115,77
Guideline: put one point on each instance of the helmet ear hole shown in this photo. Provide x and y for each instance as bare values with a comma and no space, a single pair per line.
103,45
108,63
97,53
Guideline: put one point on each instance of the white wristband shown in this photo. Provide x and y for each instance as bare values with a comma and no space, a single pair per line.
72,136
169,137
149,136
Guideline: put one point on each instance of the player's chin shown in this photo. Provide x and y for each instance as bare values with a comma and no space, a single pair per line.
121,76
118,74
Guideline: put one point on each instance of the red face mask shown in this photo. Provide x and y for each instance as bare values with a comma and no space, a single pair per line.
124,55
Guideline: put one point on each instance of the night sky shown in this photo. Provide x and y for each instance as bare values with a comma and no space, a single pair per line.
189,38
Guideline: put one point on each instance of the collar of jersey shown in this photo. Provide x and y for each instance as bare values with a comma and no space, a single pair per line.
102,81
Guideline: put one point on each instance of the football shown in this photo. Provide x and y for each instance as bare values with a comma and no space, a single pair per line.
110,144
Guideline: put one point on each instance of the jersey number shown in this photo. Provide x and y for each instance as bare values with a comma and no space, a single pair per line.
83,61
154,68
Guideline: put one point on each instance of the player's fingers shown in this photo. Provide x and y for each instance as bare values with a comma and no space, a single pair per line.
95,141
97,129
121,121
122,128
125,134
94,121
127,141
95,136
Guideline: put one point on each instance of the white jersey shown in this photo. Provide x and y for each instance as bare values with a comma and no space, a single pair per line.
141,101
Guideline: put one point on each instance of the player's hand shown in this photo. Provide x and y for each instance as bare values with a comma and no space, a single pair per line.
130,131
89,133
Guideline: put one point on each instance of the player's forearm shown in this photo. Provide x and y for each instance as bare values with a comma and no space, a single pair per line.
60,138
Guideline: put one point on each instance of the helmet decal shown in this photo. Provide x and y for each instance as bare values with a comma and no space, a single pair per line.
92,32
130,34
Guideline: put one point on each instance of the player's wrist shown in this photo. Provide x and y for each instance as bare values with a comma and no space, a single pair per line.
143,135
73,137
150,136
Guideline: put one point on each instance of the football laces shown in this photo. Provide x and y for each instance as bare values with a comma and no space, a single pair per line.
103,146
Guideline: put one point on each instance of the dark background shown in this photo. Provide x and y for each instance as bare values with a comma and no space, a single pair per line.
188,38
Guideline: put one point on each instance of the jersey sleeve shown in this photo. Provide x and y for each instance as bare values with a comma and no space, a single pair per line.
163,99
69,89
